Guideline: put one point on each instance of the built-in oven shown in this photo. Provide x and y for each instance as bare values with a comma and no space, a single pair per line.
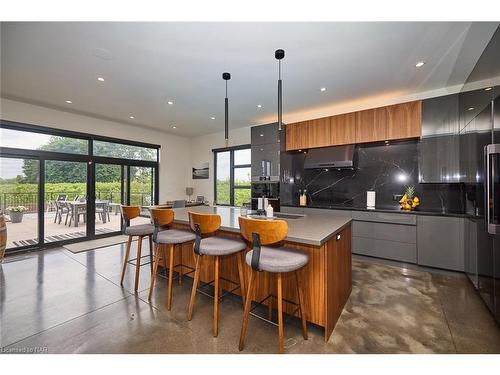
269,190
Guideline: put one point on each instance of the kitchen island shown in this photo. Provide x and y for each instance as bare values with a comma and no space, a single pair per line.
327,279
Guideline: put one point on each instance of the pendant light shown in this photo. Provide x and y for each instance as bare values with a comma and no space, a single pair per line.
226,77
279,54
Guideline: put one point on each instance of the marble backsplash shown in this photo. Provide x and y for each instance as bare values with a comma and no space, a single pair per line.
386,169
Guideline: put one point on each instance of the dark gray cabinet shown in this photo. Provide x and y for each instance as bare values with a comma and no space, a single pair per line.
440,242
265,153
385,235
264,134
265,160
439,147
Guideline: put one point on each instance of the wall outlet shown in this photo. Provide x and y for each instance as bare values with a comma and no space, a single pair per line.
397,197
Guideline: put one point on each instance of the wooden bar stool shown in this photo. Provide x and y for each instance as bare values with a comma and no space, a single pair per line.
274,260
163,238
207,244
141,231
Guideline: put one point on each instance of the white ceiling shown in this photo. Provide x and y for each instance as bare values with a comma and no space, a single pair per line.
146,64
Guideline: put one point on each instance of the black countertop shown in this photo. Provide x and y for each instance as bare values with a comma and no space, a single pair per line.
393,209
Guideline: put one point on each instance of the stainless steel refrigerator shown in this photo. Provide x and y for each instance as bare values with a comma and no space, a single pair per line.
480,151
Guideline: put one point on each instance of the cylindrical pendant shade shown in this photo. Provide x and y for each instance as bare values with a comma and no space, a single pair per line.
226,120
280,105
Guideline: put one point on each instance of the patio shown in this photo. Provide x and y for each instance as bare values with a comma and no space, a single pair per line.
26,232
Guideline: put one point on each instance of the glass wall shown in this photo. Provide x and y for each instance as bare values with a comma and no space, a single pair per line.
59,186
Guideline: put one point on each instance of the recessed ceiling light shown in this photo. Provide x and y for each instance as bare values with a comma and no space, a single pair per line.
132,117
323,89
170,102
259,105
487,89
174,127
69,101
419,64
470,108
261,135
300,150
212,118
100,79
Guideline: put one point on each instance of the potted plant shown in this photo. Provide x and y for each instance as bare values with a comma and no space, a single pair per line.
16,213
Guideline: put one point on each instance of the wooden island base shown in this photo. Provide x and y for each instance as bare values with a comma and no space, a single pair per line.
326,280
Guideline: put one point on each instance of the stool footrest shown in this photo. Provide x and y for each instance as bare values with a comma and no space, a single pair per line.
223,294
133,261
289,316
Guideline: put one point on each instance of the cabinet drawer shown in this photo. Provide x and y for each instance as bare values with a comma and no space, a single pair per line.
385,231
400,251
384,217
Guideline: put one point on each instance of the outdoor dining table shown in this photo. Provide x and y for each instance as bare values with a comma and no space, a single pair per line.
75,205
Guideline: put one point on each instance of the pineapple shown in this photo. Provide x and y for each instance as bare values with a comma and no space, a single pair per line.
410,192
409,201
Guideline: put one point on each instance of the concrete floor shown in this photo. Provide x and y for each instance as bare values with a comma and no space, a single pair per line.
55,301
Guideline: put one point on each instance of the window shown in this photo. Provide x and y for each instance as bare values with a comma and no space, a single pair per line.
232,176
43,142
124,151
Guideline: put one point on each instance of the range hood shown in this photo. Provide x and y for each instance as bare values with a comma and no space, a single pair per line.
330,157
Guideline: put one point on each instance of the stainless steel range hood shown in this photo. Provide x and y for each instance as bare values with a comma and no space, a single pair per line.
330,157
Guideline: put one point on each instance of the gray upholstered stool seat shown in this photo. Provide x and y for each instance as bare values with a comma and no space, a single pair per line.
220,246
175,236
140,230
279,259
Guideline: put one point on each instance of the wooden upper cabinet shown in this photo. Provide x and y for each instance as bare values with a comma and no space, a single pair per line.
297,135
343,129
399,121
319,133
404,120
371,125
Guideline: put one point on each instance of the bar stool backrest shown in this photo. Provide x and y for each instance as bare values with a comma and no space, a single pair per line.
129,213
269,231
203,225
262,232
207,223
161,218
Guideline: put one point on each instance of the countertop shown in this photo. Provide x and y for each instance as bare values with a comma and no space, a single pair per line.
311,229
383,209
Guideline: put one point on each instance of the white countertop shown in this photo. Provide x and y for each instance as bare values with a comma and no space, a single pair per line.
312,229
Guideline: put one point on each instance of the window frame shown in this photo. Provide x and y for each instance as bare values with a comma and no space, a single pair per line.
42,156
232,167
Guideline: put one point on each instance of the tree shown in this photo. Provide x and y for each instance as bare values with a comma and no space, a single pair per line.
63,171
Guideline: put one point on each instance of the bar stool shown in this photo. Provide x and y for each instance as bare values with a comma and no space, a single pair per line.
162,236
141,231
207,244
274,260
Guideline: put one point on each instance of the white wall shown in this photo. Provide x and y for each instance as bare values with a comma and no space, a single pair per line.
175,158
201,151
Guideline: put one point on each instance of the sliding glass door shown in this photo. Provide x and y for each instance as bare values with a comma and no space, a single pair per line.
19,200
109,195
65,195
58,187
